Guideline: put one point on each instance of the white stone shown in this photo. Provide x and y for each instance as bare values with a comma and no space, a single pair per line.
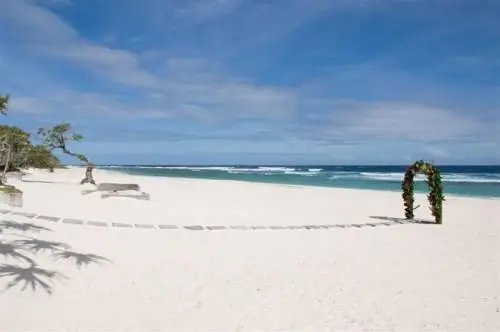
12,199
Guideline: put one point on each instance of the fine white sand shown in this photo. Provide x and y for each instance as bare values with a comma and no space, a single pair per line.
386,276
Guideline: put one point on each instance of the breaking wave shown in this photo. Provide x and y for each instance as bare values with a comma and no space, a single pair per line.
325,173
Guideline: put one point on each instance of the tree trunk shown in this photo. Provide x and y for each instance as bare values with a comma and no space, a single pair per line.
88,171
3,177
88,175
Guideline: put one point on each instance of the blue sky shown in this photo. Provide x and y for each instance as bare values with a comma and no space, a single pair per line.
251,81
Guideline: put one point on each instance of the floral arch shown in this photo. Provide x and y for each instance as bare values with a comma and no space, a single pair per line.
435,196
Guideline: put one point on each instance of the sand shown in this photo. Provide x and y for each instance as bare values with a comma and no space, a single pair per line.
206,255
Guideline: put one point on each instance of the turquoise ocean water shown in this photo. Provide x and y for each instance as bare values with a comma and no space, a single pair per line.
476,181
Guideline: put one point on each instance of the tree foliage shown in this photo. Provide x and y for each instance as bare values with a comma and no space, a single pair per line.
435,196
22,153
40,157
17,151
58,137
14,144
4,103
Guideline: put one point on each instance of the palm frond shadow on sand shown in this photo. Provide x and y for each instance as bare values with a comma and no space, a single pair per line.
22,226
33,276
81,259
36,246
11,250
28,274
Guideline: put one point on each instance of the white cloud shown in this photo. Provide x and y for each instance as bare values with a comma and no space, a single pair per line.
56,3
365,121
206,9
30,105
211,93
437,152
408,121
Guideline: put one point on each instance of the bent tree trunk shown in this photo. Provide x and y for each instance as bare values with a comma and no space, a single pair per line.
88,175
88,171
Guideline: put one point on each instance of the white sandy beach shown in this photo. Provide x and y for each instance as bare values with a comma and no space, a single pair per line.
174,269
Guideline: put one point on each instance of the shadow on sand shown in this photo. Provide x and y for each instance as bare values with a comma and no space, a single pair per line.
27,274
33,276
49,182
405,221
21,226
81,259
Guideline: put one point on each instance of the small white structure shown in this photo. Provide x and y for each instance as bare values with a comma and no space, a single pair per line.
12,198
14,175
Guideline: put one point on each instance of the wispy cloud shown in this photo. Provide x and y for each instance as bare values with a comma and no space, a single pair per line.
393,121
205,9
183,88
248,74
56,3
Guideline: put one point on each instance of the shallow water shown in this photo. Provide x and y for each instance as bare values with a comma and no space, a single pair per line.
475,181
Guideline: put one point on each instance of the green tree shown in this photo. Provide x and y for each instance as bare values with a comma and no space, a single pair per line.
58,137
4,103
14,146
41,157
18,139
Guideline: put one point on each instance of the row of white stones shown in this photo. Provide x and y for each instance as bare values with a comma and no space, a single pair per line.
72,221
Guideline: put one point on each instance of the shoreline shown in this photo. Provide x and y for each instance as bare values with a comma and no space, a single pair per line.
289,185
162,185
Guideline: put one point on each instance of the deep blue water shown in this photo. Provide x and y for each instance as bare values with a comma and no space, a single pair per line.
477,181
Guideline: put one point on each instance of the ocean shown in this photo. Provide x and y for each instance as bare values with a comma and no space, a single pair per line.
475,181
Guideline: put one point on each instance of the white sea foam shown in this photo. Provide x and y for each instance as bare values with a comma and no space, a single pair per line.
332,175
301,173
450,177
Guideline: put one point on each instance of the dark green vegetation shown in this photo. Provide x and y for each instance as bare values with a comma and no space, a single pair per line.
435,196
4,102
18,151
9,190
40,157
